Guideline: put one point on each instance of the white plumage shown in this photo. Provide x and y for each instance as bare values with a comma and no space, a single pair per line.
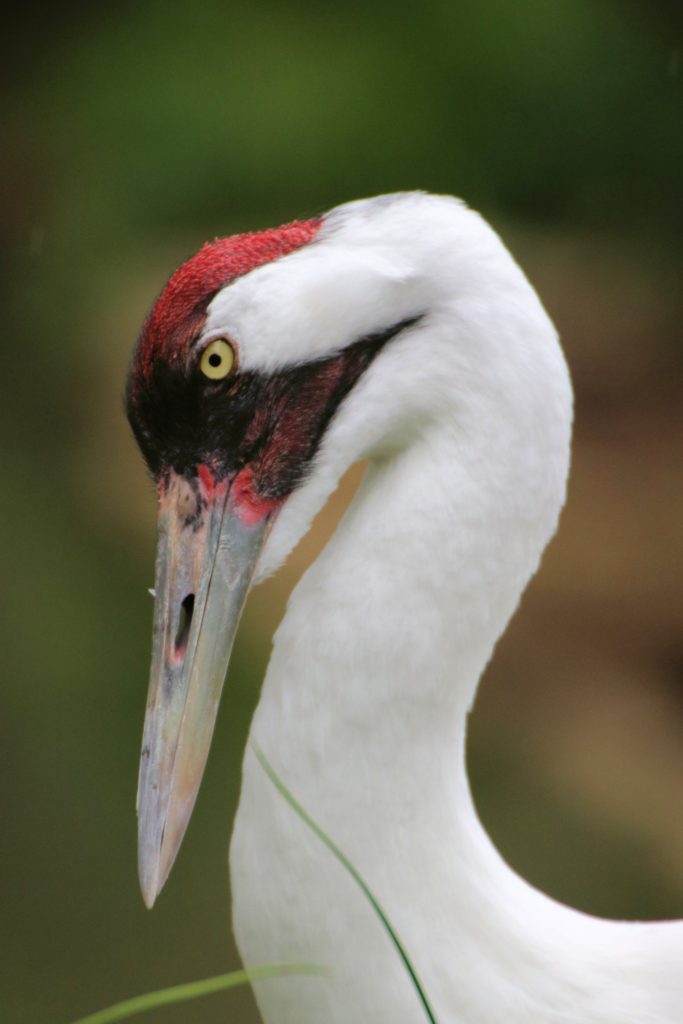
465,419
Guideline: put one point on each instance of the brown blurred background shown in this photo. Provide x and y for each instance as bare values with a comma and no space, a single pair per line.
133,132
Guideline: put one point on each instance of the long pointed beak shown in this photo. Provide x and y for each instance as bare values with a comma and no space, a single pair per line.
205,562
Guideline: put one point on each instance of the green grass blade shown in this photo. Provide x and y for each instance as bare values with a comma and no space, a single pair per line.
357,877
193,990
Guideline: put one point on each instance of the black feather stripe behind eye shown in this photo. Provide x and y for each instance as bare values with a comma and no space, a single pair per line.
274,422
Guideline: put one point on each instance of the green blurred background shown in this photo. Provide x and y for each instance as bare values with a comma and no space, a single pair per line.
133,132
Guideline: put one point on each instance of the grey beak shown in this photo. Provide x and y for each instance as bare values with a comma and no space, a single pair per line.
206,558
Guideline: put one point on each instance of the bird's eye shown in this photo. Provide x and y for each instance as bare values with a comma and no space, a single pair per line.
218,359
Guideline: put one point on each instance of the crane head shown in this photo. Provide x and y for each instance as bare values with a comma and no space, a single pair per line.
268,365
227,443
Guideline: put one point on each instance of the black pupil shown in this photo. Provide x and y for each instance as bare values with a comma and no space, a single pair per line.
215,359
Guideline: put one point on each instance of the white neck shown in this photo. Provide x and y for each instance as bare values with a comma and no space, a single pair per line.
363,715
388,632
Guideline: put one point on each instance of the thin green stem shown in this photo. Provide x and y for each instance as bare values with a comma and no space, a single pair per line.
193,990
357,877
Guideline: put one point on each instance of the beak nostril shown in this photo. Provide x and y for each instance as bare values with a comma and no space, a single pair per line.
184,623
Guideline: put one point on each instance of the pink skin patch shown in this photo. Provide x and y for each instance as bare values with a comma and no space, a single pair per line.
179,313
211,490
207,480
249,507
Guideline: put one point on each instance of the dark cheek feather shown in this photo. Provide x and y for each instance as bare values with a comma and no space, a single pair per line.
271,425
299,406
287,429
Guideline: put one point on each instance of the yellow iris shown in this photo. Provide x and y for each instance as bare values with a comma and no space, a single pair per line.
218,359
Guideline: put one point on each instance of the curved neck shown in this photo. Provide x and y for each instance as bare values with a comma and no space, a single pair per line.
363,715
386,635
